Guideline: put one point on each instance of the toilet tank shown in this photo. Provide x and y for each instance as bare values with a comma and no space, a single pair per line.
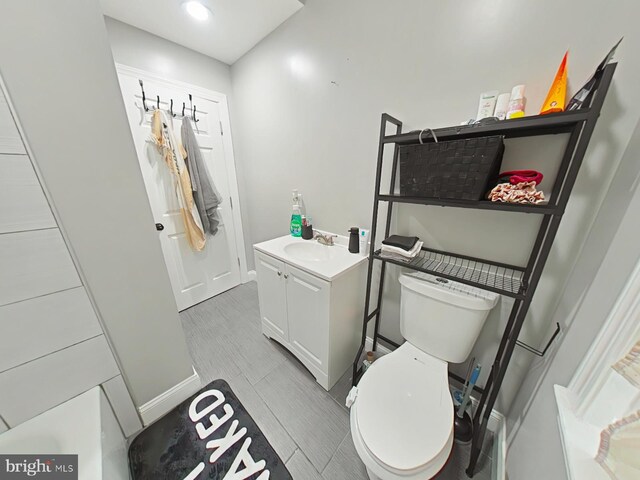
441,317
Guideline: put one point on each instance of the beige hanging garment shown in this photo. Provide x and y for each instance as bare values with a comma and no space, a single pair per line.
619,452
173,153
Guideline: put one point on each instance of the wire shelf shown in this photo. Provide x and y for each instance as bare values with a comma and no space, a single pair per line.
495,277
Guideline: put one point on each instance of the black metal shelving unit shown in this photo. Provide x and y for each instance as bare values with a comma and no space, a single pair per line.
513,281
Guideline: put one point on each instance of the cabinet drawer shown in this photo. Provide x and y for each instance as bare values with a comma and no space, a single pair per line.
10,141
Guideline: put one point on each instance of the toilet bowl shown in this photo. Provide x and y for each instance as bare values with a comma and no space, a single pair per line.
402,419
402,416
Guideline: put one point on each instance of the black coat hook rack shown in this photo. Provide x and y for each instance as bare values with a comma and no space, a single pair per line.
192,107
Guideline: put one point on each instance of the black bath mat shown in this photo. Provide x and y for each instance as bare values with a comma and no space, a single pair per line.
172,447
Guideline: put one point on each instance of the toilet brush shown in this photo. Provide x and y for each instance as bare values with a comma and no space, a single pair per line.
462,425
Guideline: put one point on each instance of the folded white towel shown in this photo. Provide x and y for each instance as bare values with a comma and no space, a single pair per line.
388,249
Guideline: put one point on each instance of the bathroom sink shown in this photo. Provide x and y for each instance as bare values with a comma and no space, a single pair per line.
319,260
309,251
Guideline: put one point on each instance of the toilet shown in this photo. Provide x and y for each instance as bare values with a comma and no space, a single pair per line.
402,415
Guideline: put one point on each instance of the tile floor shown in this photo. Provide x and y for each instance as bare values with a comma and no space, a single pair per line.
307,426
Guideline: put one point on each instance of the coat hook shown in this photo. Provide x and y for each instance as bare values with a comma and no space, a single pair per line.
183,107
144,98
195,120
158,102
171,109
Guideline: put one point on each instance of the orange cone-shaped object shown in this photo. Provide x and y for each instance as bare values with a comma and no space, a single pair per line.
558,91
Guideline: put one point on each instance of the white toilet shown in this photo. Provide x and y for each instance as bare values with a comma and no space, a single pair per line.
402,416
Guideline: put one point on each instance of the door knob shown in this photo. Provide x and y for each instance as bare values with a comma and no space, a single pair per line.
159,227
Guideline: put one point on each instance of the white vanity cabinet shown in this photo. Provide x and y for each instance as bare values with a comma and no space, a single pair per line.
317,320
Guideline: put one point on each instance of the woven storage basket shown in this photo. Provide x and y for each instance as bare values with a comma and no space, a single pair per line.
458,169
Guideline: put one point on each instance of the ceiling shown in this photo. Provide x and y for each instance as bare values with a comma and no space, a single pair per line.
233,29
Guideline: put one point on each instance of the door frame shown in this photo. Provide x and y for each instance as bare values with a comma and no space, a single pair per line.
227,141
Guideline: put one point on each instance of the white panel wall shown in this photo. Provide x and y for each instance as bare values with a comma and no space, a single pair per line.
45,324
23,205
10,141
63,85
34,263
52,346
35,387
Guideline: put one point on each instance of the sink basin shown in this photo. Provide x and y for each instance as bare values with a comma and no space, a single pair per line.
319,260
309,252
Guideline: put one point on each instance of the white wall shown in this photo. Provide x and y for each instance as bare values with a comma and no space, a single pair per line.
308,101
58,68
139,49
592,290
51,338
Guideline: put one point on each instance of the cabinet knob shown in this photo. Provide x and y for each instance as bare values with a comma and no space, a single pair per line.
279,273
286,276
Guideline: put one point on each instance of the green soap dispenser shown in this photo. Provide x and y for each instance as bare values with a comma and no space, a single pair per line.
296,216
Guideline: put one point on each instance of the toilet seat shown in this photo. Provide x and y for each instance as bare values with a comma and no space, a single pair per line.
405,412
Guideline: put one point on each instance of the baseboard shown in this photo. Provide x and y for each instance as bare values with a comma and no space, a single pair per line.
499,457
158,406
252,276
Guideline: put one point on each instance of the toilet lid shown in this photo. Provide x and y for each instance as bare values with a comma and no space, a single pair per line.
405,411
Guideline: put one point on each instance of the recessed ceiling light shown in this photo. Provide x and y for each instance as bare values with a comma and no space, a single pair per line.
197,10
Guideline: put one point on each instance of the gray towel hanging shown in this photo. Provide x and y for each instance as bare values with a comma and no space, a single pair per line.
205,193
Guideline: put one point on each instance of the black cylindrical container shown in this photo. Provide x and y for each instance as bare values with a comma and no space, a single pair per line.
354,240
307,232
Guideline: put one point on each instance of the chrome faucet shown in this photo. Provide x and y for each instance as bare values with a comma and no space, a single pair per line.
324,239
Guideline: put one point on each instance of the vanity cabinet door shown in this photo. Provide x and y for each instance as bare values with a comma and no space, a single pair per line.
308,312
272,295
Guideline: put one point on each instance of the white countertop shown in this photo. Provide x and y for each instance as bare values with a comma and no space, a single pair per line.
339,260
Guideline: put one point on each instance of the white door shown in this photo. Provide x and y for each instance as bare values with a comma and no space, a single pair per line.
195,276
308,314
272,296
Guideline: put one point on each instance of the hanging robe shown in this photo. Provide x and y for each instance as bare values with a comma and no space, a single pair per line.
163,136
205,194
